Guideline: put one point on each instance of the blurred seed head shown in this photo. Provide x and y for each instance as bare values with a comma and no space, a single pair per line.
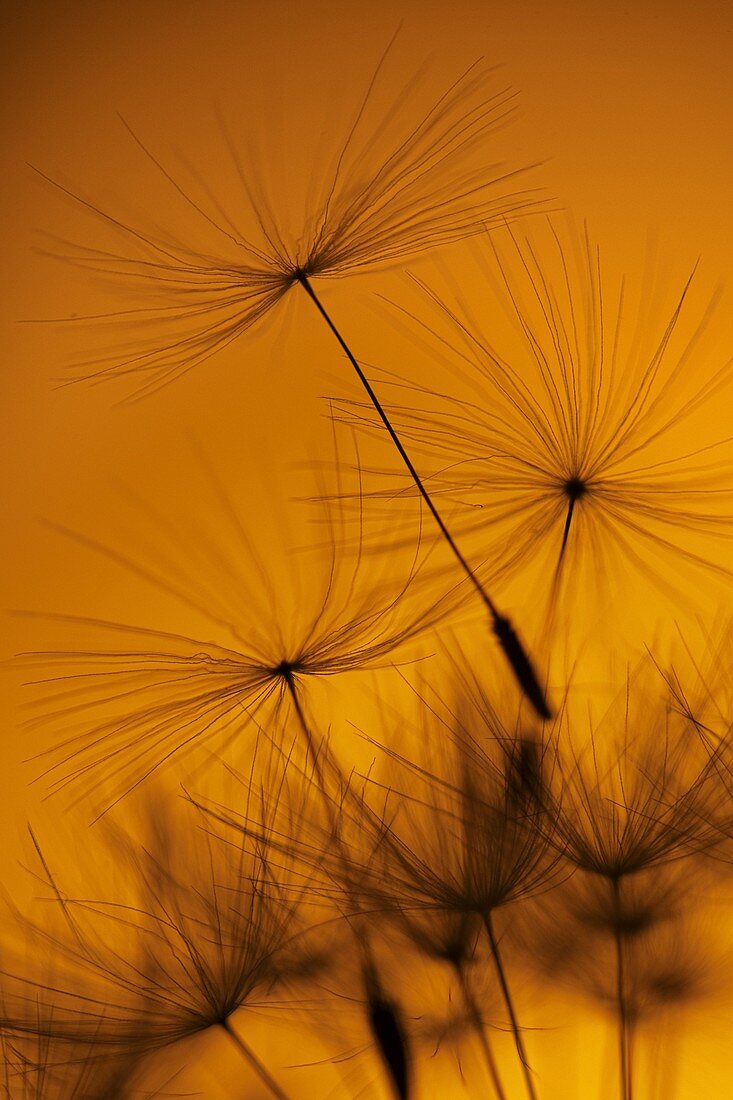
200,931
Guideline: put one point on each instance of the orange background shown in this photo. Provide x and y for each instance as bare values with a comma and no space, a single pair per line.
628,108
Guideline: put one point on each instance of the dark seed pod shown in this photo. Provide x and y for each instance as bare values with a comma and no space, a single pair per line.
521,664
389,1033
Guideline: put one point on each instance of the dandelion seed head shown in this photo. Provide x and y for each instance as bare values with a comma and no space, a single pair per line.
575,487
572,444
196,932
420,177
444,836
141,696
632,798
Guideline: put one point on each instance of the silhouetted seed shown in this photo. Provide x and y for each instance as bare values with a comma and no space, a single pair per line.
401,185
201,931
638,971
510,644
550,439
129,708
416,196
634,812
37,1067
524,772
521,664
389,1034
575,488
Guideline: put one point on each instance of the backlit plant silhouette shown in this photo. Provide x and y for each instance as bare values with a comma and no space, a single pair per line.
460,831
201,932
630,811
563,416
149,695
409,186
334,886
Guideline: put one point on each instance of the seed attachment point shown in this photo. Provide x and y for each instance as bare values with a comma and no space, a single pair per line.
575,488
286,670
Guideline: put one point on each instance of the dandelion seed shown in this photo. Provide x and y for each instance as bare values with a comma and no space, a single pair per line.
624,814
562,440
641,976
443,849
203,933
416,190
389,1033
698,686
129,708
38,1068
400,185
639,808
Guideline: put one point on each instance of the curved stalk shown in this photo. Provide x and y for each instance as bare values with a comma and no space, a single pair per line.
624,1033
516,1030
246,1051
314,753
566,529
507,637
383,1017
478,1026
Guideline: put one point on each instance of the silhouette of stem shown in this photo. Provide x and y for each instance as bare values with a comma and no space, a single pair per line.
623,1019
383,1017
516,1030
507,637
478,1026
331,812
314,753
254,1061
566,530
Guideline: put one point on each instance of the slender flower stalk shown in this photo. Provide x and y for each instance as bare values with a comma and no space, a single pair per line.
474,1015
420,190
624,1039
450,937
496,955
560,417
449,840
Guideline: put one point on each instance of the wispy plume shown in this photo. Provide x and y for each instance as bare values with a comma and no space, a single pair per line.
196,933
144,696
565,432
453,833
412,187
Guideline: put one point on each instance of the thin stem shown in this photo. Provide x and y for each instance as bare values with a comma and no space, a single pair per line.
254,1061
331,813
516,1030
566,530
507,637
305,283
478,1026
623,1019
353,919
314,753
665,1071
